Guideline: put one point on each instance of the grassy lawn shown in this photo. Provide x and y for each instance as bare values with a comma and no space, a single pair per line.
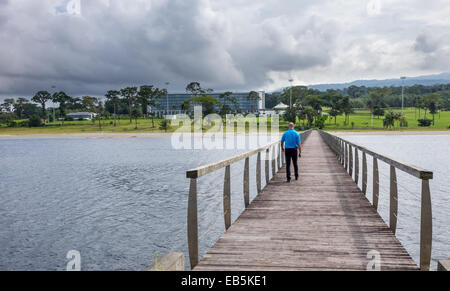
361,120
123,126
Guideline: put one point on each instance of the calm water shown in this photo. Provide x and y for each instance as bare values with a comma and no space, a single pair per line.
431,153
118,201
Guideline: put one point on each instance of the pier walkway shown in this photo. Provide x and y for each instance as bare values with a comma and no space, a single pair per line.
323,221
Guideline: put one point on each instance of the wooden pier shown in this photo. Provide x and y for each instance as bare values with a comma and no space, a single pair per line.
323,221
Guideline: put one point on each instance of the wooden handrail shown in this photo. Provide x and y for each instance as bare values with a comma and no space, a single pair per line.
193,175
343,150
208,169
415,171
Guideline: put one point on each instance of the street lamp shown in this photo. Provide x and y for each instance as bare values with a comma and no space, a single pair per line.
54,115
167,96
403,98
403,93
290,100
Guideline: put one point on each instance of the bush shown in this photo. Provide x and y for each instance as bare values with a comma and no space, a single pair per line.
15,123
35,121
69,118
425,122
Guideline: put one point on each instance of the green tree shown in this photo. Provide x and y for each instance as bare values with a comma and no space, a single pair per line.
346,107
136,112
148,96
19,107
194,88
42,97
376,101
431,103
389,119
113,97
94,105
62,99
253,98
208,103
164,125
35,121
130,94
8,105
335,102
311,114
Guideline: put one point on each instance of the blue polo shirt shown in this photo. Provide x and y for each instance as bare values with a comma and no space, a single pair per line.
291,138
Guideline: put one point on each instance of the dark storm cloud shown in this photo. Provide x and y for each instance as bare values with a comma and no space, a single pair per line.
425,44
117,43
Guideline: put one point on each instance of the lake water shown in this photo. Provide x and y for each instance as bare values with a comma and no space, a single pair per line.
431,152
119,201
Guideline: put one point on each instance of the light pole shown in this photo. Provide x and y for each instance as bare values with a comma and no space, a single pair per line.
403,93
290,100
403,98
167,96
54,115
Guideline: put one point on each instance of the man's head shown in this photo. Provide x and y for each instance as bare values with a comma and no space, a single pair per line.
291,125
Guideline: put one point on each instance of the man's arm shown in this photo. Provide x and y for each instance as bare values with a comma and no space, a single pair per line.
300,149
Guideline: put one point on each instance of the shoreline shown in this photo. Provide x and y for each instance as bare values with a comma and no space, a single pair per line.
106,135
430,132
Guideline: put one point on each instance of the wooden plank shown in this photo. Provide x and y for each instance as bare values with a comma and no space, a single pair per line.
321,222
192,224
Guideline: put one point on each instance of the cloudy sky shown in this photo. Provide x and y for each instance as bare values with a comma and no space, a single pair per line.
226,45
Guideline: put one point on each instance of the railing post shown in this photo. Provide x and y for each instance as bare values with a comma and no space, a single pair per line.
279,157
192,224
346,156
267,165
350,166
393,205
364,182
376,183
258,173
356,166
247,182
426,227
274,162
227,198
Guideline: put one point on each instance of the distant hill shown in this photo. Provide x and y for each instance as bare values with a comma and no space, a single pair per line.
427,80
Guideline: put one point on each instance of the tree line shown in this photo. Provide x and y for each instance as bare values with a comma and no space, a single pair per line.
131,101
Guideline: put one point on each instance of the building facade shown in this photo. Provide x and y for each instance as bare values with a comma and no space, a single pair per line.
172,104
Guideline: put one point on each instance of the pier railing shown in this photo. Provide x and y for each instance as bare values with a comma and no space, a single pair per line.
272,156
347,154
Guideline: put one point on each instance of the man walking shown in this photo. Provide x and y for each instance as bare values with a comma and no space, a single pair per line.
291,145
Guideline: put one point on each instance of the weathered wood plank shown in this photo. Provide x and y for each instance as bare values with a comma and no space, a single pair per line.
321,222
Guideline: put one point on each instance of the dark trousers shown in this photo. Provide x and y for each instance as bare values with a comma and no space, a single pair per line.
291,154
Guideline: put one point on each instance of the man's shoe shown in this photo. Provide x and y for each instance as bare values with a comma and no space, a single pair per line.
288,181
296,178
